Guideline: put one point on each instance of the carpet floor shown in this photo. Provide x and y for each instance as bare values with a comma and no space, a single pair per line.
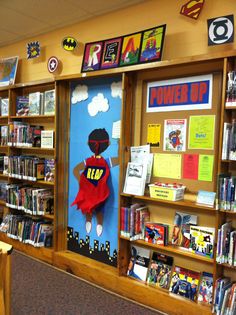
40,289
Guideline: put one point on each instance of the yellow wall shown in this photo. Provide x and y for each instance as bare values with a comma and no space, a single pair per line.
184,36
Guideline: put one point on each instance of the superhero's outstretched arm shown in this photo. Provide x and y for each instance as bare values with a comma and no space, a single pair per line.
77,170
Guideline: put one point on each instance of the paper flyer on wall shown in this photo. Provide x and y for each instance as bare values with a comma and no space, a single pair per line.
175,135
141,154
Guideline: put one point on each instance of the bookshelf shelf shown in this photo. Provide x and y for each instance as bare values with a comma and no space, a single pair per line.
33,117
42,253
3,176
171,249
34,149
228,266
183,203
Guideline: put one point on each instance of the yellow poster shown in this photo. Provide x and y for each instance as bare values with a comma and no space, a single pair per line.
154,135
205,168
167,165
201,132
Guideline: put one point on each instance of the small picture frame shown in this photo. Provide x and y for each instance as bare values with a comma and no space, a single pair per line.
152,44
130,49
92,56
8,67
111,53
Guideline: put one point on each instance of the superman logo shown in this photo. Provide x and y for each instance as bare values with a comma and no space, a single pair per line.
192,8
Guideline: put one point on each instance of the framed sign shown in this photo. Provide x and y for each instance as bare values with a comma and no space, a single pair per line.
8,67
92,56
190,93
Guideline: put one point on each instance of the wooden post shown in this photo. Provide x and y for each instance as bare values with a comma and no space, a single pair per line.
5,280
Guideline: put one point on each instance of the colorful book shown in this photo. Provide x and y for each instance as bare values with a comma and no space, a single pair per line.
49,102
139,262
159,273
202,240
181,229
49,175
206,288
22,106
185,282
156,233
35,103
4,106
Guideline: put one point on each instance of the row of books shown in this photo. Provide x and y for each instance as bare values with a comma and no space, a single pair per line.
158,270
133,221
34,232
229,141
31,200
224,297
25,135
28,167
36,103
184,232
226,192
4,106
226,245
231,89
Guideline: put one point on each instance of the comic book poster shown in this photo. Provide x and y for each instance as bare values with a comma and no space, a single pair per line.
174,135
185,282
159,273
94,169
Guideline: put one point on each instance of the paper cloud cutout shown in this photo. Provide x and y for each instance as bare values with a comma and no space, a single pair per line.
99,104
79,94
116,89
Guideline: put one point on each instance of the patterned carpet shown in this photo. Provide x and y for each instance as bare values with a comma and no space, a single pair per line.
39,289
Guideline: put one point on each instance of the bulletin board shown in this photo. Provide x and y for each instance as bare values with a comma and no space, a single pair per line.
190,158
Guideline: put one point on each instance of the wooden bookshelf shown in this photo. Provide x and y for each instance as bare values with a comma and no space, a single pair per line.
48,122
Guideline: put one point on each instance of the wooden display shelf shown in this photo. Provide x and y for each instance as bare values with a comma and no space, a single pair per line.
230,107
171,249
35,149
181,203
51,117
228,212
42,253
3,176
108,278
2,202
227,266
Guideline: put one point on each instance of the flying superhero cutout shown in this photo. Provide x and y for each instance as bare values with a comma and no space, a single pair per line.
92,176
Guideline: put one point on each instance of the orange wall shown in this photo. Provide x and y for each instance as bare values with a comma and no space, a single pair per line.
184,36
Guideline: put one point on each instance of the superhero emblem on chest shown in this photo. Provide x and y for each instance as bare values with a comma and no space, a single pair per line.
94,174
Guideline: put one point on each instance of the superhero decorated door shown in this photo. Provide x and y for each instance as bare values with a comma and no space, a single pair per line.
93,168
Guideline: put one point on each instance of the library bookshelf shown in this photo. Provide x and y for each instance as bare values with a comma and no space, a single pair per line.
134,133
134,123
25,151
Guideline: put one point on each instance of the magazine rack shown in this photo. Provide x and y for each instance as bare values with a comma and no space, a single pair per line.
5,276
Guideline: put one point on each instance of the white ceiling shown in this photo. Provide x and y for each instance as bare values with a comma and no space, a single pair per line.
22,19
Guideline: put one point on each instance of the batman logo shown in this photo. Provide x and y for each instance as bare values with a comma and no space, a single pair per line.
69,43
